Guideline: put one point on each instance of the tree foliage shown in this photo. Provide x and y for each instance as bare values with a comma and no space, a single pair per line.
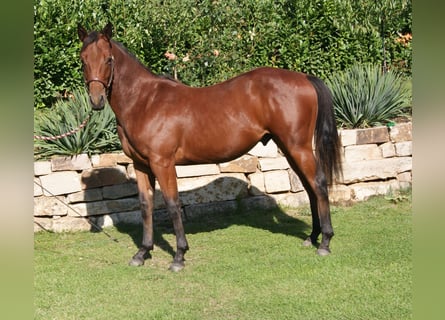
208,41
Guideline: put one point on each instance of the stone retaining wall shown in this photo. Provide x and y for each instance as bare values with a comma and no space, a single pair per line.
102,188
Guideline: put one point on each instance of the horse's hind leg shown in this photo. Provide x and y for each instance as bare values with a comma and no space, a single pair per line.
316,228
303,162
146,184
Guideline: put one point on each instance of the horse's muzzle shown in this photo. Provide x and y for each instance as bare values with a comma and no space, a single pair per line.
97,102
97,94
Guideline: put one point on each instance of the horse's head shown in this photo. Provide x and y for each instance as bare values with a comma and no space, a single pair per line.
98,64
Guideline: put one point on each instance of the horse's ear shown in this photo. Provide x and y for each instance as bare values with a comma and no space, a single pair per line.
81,32
108,30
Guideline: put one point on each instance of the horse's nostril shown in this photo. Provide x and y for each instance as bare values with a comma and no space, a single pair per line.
97,102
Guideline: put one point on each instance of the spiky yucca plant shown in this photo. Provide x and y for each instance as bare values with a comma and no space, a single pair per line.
364,96
98,135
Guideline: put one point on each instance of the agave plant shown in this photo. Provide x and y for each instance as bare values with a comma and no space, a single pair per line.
364,96
98,135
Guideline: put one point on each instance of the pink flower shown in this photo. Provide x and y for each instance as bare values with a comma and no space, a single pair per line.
216,52
170,56
186,58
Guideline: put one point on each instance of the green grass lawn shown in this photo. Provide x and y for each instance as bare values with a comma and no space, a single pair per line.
247,265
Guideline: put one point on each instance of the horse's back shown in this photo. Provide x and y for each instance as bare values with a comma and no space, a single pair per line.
286,99
254,91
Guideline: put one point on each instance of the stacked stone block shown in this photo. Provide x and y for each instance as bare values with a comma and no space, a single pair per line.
70,193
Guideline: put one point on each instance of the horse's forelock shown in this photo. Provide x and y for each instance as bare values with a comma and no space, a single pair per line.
92,37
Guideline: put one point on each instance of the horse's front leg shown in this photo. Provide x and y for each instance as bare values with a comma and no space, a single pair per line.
167,181
146,186
175,212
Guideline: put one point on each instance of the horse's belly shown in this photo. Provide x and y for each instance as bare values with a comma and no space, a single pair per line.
219,149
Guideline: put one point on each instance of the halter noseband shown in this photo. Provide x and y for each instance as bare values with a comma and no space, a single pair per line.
97,79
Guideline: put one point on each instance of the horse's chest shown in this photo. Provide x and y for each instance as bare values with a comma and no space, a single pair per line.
145,148
130,146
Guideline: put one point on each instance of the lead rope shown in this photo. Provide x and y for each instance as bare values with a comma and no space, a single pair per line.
66,134
99,228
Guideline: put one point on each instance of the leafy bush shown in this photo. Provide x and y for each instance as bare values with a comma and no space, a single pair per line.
214,40
208,41
365,96
98,135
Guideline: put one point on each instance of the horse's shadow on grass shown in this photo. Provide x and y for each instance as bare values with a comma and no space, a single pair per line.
260,211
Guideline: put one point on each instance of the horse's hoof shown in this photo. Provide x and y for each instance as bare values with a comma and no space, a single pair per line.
176,266
307,242
323,252
136,262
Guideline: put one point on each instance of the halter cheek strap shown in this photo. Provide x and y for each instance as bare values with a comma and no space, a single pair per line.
97,79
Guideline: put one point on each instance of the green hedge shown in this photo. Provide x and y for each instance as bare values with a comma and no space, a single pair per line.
217,39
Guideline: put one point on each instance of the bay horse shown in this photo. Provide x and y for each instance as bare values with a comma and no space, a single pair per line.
162,123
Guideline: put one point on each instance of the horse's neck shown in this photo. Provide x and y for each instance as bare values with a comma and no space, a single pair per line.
129,68
128,75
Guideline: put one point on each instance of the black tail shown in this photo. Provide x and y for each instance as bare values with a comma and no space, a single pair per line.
327,141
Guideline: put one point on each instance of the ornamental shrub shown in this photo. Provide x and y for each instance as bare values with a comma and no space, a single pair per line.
99,134
365,96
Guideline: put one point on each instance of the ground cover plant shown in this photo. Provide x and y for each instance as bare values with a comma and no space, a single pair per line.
242,265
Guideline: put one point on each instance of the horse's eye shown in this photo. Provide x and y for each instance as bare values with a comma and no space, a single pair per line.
109,60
